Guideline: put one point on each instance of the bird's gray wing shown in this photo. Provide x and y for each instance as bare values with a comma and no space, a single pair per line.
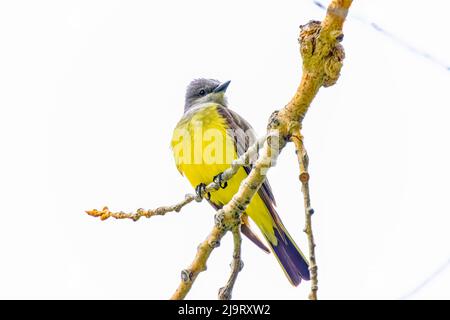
245,137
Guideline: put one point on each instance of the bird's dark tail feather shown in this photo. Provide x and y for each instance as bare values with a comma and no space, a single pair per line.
289,256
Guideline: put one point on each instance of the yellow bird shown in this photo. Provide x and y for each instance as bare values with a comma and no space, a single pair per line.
205,141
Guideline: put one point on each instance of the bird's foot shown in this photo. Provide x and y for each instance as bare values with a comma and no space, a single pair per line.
220,181
200,190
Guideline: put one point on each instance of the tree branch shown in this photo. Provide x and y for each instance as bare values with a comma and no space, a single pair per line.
225,293
105,213
336,14
243,160
204,250
303,162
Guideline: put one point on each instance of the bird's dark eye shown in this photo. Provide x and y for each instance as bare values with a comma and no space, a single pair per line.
202,92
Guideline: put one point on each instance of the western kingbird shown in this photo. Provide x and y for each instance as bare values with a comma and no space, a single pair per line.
205,141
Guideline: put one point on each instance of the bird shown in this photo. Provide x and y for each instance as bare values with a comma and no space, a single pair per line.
208,137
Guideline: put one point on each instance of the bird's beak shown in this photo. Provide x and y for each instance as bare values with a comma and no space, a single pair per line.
222,87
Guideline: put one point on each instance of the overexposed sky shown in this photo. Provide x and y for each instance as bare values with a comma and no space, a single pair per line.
90,92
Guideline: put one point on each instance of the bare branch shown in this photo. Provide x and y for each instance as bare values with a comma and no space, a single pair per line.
189,275
225,293
303,162
105,213
336,14
243,160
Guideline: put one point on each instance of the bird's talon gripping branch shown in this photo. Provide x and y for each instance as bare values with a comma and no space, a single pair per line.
200,191
220,181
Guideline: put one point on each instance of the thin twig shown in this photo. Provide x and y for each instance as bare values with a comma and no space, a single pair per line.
243,160
225,293
105,213
303,162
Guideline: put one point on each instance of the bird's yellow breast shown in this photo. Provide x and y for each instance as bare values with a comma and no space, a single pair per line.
201,145
203,148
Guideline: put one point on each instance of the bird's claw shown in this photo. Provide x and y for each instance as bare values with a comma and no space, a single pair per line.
219,180
200,190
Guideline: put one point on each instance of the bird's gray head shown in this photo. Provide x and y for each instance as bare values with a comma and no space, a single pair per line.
204,91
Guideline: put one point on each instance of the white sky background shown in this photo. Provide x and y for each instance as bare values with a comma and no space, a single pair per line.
91,90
